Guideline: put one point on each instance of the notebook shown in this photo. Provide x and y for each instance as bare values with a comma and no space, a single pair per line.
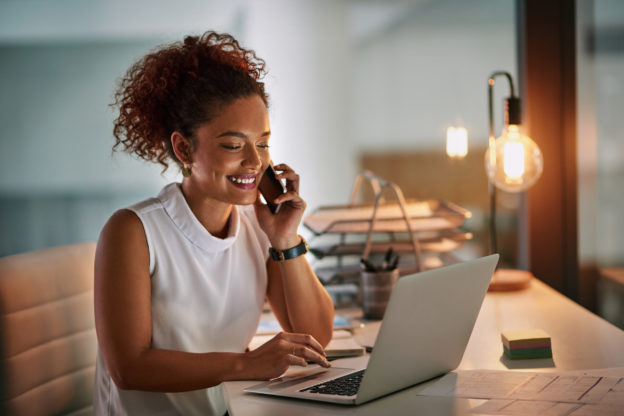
424,333
342,345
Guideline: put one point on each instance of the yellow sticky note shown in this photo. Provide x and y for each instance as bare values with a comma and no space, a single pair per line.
526,338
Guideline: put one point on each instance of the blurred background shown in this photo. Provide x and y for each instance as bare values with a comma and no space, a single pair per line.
346,79
353,84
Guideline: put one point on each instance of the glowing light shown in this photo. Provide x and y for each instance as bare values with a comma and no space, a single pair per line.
456,142
513,162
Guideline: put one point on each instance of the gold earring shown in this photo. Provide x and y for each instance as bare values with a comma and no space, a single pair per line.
186,171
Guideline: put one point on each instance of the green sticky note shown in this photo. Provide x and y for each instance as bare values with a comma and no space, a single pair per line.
528,353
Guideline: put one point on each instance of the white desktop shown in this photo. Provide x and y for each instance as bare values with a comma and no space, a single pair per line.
580,341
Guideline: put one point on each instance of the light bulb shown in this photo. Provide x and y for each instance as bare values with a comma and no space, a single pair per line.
456,142
513,161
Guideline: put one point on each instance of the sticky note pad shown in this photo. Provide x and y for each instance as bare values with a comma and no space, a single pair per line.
531,338
522,354
534,343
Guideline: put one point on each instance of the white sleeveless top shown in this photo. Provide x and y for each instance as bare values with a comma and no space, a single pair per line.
207,295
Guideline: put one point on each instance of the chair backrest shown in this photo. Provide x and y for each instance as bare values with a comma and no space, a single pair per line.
47,332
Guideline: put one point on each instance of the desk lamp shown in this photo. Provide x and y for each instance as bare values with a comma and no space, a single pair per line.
513,163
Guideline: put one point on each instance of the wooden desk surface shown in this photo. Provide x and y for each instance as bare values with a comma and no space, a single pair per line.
580,340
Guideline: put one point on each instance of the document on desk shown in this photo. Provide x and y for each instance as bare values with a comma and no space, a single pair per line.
272,326
574,393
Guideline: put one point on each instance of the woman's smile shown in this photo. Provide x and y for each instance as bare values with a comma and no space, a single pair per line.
247,181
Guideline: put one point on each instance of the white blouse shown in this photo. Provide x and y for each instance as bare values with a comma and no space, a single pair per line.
207,295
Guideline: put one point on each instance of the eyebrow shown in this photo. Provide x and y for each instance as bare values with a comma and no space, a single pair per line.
241,135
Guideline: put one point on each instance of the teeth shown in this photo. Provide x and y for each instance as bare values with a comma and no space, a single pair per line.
241,180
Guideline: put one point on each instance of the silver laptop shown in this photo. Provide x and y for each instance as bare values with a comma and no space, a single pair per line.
424,333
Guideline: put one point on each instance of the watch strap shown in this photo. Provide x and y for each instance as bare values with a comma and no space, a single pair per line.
289,253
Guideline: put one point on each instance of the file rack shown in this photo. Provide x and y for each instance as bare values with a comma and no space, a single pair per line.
412,228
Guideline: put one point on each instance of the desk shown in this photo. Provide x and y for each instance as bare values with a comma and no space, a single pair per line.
580,340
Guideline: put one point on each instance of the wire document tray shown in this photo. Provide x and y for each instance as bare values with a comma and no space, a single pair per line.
408,226
423,216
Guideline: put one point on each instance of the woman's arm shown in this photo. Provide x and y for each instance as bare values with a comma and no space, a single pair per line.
298,299
124,326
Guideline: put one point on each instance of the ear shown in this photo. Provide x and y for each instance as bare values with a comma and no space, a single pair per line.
182,147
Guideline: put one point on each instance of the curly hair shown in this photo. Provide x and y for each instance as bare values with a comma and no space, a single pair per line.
178,87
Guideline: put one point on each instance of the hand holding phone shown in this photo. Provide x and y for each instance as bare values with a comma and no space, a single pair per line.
270,188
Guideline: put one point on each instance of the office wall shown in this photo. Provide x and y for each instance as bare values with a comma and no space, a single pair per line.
600,81
427,69
57,124
308,53
59,180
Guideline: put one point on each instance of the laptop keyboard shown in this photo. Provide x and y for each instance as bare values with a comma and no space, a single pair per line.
343,386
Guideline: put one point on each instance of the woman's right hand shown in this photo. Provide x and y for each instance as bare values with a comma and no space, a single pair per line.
273,358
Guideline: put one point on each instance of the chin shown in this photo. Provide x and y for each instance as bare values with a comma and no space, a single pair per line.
243,200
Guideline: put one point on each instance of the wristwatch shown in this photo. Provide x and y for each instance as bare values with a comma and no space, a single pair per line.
289,253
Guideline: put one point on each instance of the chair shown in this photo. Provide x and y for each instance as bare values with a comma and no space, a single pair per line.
47,332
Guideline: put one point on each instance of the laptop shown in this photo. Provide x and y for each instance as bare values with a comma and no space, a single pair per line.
425,330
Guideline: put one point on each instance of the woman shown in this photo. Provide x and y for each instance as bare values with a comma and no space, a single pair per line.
180,279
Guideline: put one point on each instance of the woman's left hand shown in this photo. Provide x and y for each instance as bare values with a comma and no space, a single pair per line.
281,228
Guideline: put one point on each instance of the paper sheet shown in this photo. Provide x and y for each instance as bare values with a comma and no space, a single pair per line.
524,393
272,326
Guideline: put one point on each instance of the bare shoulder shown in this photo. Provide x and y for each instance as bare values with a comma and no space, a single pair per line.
124,220
123,241
123,227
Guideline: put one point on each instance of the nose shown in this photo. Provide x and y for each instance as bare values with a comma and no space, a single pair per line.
252,159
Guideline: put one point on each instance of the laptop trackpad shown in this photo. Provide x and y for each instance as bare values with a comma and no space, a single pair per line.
299,379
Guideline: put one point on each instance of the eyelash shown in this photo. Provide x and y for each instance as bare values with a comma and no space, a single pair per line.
228,147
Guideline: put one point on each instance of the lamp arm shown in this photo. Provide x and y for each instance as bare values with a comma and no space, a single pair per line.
492,154
491,82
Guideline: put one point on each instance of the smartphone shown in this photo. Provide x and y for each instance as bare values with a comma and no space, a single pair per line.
270,188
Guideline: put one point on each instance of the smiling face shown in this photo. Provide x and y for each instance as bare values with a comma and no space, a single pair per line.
230,154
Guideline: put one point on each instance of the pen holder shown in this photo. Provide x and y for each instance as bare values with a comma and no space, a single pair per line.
376,288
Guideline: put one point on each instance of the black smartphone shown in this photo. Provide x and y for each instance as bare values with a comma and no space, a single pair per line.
270,188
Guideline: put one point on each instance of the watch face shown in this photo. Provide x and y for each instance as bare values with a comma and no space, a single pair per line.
275,254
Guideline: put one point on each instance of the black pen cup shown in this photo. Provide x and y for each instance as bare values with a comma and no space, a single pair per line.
375,289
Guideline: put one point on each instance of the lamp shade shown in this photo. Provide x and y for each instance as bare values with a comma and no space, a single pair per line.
513,162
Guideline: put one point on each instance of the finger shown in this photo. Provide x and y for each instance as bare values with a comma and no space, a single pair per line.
289,175
305,339
311,355
290,196
292,178
282,167
294,360
293,184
